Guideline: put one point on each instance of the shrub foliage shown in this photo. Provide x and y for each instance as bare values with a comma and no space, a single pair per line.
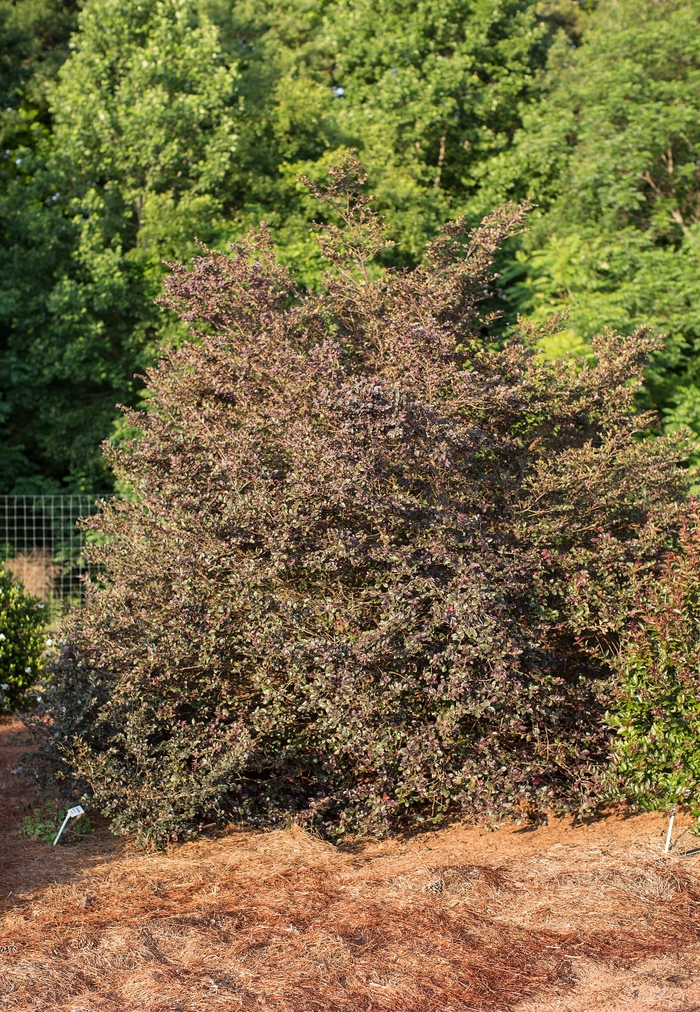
373,562
657,704
22,641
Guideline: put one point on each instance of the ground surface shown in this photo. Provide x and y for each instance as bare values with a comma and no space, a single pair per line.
565,918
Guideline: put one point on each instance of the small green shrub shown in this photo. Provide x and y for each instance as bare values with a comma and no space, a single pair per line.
657,711
44,823
22,640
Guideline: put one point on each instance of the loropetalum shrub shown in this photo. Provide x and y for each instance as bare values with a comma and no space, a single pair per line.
22,641
373,563
656,710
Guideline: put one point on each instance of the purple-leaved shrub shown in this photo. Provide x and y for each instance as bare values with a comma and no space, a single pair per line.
373,563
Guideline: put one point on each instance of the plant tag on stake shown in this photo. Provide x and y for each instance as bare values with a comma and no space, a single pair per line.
72,813
670,830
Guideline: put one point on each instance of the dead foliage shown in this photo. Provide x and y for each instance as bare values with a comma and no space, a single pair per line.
36,571
459,919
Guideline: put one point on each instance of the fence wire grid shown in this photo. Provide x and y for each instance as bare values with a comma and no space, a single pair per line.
41,543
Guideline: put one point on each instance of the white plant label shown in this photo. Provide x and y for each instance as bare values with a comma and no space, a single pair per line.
72,813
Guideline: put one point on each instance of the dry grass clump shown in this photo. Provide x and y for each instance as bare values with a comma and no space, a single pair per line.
459,919
36,571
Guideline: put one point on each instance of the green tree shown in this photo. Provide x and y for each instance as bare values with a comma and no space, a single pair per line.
173,119
34,37
142,138
611,154
23,621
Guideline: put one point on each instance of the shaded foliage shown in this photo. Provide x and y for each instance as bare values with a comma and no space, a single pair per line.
372,567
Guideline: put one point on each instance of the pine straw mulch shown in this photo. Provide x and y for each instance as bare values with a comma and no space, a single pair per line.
569,918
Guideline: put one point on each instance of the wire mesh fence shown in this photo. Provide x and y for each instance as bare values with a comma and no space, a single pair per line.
43,546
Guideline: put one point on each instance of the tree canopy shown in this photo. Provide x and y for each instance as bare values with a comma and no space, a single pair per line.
172,118
131,127
611,154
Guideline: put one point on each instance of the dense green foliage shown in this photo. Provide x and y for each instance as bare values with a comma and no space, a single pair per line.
140,126
657,705
372,567
22,641
34,37
611,154
175,117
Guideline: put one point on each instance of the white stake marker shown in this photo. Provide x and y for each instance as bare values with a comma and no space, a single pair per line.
72,813
670,830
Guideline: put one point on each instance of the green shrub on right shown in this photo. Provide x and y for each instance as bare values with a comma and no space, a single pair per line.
657,717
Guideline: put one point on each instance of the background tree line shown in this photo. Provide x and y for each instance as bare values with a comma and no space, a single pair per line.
131,127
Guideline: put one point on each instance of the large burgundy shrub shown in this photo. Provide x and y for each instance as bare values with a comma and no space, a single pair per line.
373,563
